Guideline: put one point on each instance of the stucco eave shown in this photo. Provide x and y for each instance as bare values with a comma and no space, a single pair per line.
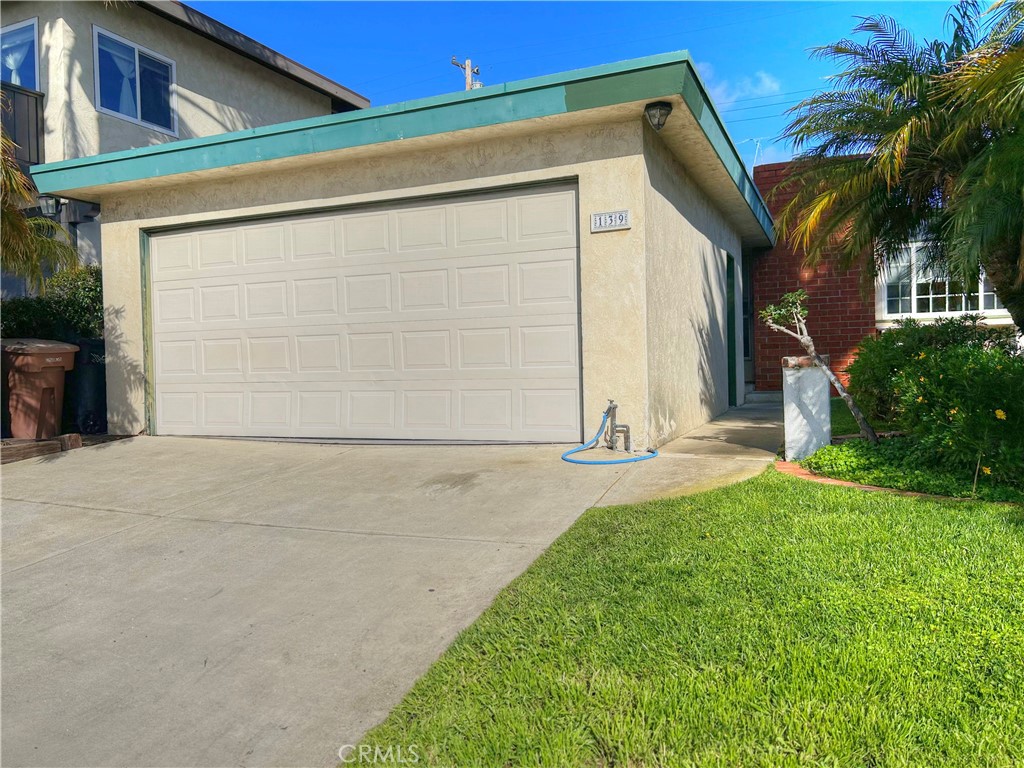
597,94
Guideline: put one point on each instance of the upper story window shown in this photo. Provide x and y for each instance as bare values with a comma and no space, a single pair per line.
18,55
134,83
912,289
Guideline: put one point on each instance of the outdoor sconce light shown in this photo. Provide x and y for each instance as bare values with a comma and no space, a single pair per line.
657,113
50,206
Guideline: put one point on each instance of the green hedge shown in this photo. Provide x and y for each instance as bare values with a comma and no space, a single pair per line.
70,309
956,388
965,406
881,359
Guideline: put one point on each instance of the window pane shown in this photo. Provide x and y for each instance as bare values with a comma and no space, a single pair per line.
155,91
116,62
18,56
991,301
897,286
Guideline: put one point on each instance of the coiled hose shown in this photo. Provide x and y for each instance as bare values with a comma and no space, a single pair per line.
593,441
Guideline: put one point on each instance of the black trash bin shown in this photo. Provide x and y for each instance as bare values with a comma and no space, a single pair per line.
85,404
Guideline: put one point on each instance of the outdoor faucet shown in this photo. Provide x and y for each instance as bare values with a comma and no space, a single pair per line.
614,428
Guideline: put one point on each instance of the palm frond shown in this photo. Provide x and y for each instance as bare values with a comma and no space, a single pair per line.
30,247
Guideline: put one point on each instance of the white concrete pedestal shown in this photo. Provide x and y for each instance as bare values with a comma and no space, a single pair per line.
808,415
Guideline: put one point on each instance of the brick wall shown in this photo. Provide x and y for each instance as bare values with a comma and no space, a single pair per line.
839,316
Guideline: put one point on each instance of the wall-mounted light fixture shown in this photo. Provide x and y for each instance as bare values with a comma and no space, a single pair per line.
657,113
50,206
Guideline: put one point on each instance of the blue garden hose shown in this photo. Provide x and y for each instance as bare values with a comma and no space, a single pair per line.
593,441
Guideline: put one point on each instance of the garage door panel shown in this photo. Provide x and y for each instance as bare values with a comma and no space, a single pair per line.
416,235
478,348
526,285
264,246
429,409
450,321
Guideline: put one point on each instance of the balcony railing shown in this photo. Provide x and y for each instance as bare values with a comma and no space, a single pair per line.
22,116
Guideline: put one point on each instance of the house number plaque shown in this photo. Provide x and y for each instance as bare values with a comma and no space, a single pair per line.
609,221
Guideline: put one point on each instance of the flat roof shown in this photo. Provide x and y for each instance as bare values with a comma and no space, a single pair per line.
670,75
205,26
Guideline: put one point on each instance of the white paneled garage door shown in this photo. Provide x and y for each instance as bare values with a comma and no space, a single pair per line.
450,320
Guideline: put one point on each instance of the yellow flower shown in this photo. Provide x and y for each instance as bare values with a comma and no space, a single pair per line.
1000,414
953,412
921,356
987,470
920,378
920,399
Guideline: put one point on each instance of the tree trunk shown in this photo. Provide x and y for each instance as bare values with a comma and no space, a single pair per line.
1004,273
866,430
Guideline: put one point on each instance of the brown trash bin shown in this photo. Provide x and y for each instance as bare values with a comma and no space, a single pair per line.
35,380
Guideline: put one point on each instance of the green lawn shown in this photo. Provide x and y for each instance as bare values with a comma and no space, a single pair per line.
775,622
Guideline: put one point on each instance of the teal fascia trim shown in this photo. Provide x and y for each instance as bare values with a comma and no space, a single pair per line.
647,78
696,97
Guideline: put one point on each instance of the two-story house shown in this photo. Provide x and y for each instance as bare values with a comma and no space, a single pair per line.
90,78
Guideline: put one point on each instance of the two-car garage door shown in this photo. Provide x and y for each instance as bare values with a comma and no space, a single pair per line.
445,320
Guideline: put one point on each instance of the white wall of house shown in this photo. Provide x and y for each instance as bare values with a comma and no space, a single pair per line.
688,241
216,90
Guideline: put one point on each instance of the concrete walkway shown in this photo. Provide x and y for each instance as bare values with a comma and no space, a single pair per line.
190,602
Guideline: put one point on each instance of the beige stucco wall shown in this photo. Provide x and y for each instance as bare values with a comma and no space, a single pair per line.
653,298
607,161
217,90
687,240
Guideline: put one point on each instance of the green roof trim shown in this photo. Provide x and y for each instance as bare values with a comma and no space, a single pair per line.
582,89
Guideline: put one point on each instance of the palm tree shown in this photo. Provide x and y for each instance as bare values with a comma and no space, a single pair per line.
31,247
904,148
986,205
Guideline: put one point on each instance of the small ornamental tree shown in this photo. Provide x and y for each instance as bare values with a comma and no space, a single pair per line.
790,311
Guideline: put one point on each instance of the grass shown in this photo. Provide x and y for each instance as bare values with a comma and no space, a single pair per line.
894,463
772,623
843,422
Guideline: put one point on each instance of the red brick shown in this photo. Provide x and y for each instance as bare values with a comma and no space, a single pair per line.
840,315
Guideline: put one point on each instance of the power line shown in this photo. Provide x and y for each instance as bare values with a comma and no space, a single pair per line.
774,95
752,119
588,49
764,106
662,37
500,50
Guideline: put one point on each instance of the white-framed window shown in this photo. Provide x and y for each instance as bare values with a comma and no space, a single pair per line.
910,288
19,54
134,83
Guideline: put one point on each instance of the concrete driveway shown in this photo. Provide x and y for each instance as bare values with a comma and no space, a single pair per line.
190,602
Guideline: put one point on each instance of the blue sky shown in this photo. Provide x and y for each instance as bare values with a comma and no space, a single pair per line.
753,56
